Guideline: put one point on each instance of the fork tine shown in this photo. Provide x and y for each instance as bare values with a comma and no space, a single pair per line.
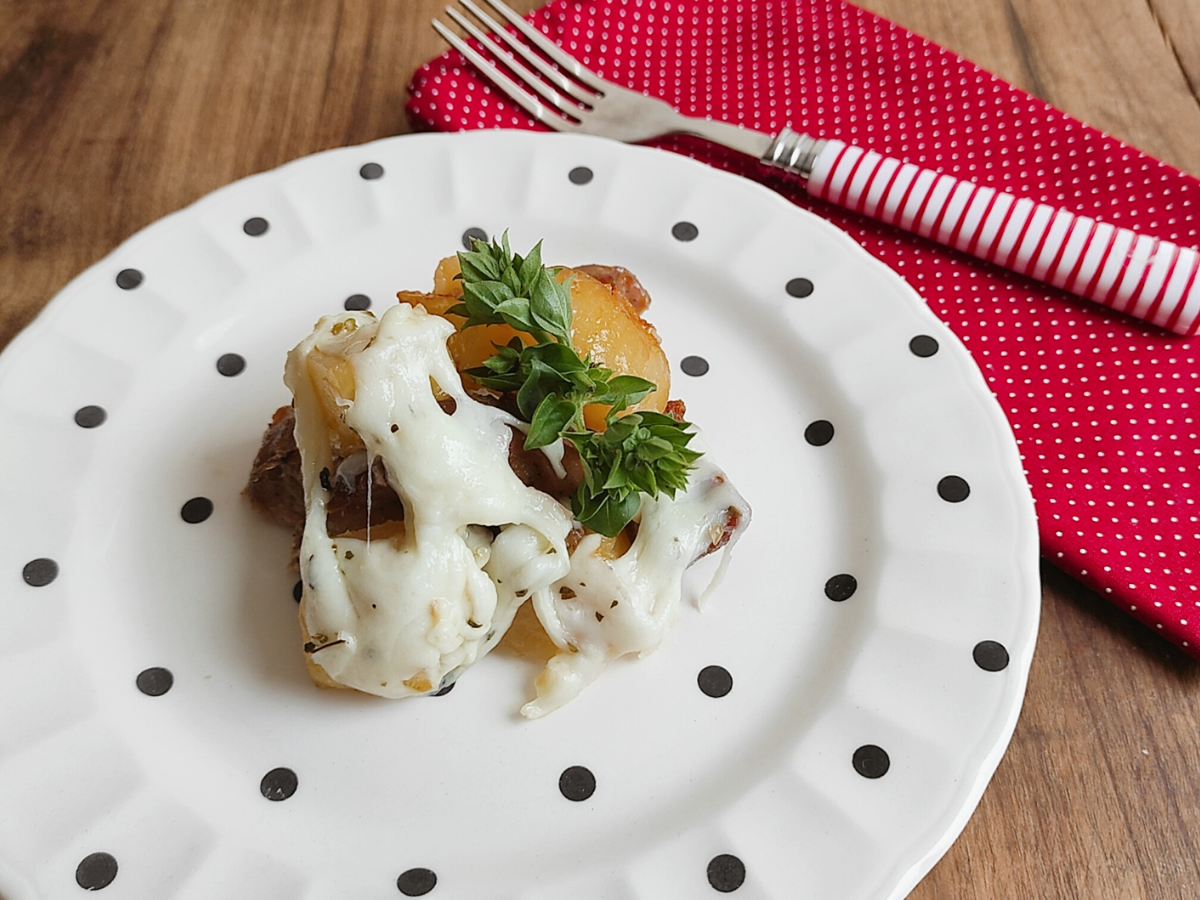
560,57
564,84
529,79
504,82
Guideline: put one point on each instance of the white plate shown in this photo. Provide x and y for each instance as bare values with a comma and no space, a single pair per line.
758,790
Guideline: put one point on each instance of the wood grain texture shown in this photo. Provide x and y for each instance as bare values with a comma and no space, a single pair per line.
1179,22
1126,67
114,113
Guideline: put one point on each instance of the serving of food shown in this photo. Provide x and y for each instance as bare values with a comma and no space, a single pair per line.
457,456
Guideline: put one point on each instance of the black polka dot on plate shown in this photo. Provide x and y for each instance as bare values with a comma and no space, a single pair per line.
684,231
155,682
953,489
196,510
90,416
279,784
694,366
39,572
580,175
371,171
841,587
819,433
357,302
96,871
923,345
715,681
231,364
128,279
416,882
298,591
256,227
799,287
871,761
471,235
577,783
991,656
726,873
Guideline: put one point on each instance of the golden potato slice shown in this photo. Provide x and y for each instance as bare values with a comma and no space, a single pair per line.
467,348
445,277
615,547
526,638
603,324
332,379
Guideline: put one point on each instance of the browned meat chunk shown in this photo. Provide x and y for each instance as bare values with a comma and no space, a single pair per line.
676,410
276,488
347,508
533,468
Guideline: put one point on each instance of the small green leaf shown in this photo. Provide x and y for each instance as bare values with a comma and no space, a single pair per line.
539,382
558,358
503,382
633,387
618,477
549,420
551,305
654,448
473,268
511,280
501,365
486,294
531,266
515,313
482,263
608,513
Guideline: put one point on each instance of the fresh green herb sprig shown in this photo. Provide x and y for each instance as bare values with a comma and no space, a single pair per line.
642,452
553,385
503,288
637,453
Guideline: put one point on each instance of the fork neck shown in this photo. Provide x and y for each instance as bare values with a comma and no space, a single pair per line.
793,152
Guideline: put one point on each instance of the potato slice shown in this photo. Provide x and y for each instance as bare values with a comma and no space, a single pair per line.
603,324
332,378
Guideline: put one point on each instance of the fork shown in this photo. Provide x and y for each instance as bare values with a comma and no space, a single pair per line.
1133,273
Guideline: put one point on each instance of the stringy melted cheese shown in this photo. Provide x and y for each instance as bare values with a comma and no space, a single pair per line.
398,616
405,614
605,608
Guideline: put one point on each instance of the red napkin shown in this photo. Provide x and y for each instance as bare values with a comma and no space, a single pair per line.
1104,408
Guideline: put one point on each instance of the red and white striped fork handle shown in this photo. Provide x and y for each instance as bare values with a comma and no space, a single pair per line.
1134,273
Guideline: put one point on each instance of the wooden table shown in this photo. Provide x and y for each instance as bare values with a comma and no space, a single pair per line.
107,123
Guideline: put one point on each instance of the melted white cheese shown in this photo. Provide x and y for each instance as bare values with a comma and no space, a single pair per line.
397,617
405,614
605,608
